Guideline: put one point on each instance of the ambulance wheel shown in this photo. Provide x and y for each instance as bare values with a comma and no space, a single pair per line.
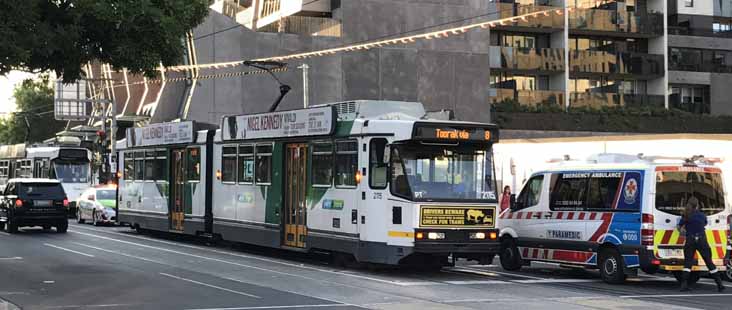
727,274
693,277
510,257
611,266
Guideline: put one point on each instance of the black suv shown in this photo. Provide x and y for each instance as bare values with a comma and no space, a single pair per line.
34,202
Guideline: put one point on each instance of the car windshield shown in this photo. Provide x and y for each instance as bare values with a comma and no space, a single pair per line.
41,190
439,172
106,194
675,188
71,172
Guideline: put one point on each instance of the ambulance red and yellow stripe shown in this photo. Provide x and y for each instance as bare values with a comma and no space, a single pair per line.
674,239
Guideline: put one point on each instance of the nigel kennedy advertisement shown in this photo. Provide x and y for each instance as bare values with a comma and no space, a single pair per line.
161,133
294,123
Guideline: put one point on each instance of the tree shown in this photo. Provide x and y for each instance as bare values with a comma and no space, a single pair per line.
62,35
34,102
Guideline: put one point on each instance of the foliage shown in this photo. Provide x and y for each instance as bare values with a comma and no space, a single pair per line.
641,119
62,35
34,101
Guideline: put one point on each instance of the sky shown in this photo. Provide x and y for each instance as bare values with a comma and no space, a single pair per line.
7,84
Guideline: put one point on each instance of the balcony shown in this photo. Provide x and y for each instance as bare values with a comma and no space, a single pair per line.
292,16
525,59
306,25
615,23
597,100
540,23
636,65
527,97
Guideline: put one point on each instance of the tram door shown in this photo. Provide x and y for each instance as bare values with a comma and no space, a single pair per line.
295,189
177,190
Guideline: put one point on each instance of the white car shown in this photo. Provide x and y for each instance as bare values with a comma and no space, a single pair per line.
98,205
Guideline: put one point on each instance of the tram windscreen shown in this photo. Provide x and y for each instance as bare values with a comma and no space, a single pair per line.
442,173
71,172
675,189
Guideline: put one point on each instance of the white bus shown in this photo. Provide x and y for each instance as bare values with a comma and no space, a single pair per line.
370,181
68,164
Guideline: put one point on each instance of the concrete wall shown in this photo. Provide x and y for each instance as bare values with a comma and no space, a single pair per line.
701,7
450,73
720,94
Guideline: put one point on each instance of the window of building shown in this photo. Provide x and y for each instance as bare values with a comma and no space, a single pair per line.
346,164
246,164
228,164
569,191
322,164
378,167
194,164
4,169
689,3
531,193
263,172
517,82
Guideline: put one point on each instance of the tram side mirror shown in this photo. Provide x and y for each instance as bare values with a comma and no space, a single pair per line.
512,202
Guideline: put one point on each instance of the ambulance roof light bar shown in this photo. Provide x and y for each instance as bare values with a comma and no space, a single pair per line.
696,159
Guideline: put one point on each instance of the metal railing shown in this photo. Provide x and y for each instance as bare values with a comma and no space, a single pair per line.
306,25
636,64
616,21
512,58
596,100
269,7
527,97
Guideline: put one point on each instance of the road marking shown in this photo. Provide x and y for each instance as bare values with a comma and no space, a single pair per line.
11,258
493,273
68,250
49,282
210,285
277,307
263,259
90,306
556,281
258,268
474,282
4,233
120,253
673,295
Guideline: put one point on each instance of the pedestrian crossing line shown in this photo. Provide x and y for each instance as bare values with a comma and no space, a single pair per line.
542,281
477,282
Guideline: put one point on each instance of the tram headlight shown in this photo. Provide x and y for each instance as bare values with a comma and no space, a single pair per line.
477,235
435,235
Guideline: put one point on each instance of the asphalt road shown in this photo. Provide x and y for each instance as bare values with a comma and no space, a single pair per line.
115,268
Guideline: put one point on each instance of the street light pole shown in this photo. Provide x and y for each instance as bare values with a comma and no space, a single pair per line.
305,85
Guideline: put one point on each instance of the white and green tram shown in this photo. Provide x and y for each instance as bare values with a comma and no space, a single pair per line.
375,181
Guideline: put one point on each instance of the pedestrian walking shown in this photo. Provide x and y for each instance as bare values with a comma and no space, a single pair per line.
506,198
693,221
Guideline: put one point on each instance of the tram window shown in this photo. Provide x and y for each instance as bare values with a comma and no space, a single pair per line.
149,166
194,164
4,169
139,166
129,166
228,164
246,164
322,164
263,172
346,163
378,168
161,166
569,191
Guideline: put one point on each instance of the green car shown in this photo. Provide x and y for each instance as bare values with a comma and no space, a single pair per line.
98,205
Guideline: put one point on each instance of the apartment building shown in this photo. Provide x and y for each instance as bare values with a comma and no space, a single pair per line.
700,55
601,53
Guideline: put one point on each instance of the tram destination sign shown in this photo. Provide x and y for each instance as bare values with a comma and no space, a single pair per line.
160,134
454,132
294,123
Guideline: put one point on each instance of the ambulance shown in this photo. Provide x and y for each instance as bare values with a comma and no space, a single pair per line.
615,212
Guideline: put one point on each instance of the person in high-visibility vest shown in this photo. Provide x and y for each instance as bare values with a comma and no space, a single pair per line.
694,221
